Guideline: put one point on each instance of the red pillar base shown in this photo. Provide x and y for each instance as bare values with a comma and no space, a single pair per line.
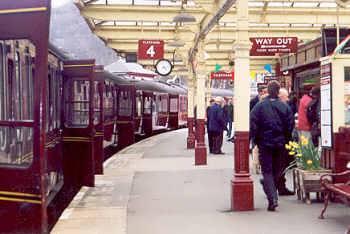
242,193
201,149
200,155
191,139
191,142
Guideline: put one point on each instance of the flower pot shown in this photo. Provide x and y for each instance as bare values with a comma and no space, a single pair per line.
306,182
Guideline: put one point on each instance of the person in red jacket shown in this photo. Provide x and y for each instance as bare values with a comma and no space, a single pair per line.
304,126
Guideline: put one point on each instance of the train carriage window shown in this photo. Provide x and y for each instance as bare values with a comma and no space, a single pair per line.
17,88
108,101
173,105
164,104
3,87
16,103
59,98
125,103
97,104
147,105
76,99
138,105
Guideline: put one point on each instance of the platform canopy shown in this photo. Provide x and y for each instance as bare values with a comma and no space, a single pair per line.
121,23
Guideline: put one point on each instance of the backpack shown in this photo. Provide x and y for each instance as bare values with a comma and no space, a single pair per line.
311,112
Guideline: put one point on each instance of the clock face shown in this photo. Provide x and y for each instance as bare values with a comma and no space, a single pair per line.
164,67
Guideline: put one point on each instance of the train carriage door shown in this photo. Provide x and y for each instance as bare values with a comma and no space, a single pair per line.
173,111
79,123
126,115
147,111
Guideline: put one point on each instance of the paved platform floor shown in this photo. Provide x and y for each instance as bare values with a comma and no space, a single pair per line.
153,187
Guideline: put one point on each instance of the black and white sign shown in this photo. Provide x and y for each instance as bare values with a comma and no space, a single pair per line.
326,104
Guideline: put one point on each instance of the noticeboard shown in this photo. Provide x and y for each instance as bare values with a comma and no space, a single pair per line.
326,104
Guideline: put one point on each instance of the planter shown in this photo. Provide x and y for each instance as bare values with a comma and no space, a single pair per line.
306,182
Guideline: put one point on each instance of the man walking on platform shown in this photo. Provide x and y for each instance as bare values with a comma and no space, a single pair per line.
271,125
210,135
217,124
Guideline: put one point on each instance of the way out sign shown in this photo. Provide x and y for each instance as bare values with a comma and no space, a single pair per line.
222,75
150,49
270,46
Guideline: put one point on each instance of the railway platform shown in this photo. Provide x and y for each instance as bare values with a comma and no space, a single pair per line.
153,187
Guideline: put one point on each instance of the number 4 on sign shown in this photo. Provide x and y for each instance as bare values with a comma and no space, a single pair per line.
151,51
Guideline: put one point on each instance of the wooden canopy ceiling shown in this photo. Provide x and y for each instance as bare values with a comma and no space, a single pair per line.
121,23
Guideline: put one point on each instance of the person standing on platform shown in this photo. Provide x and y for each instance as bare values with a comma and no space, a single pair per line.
293,102
304,126
210,136
271,125
287,159
217,124
313,114
228,109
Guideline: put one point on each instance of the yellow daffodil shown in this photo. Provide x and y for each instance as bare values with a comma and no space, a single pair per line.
309,162
304,141
291,153
288,147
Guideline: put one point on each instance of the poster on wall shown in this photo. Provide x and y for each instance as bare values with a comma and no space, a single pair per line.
326,104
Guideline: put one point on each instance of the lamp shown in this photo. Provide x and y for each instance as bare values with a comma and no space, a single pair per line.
184,18
176,43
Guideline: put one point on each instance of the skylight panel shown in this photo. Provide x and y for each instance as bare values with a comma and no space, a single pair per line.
257,25
170,3
255,4
167,24
302,25
279,4
120,2
149,23
328,4
146,2
279,25
306,4
108,23
125,23
98,2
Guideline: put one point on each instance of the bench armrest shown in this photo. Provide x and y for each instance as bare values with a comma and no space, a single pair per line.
327,178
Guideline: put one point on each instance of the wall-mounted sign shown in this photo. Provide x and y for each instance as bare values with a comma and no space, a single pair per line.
270,46
150,49
326,104
221,75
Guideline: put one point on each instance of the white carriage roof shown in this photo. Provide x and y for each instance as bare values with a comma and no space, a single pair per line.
133,69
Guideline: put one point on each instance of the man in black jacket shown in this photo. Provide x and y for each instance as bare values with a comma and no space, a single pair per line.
271,125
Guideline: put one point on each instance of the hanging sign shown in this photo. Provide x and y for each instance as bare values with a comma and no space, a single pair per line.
222,75
326,104
270,46
150,49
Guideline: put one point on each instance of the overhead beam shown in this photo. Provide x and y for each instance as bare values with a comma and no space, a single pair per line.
274,15
134,34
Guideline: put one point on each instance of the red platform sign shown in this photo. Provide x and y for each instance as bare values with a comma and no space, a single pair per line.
222,75
150,49
270,46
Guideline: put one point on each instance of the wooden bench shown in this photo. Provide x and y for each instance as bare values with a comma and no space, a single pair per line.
342,190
